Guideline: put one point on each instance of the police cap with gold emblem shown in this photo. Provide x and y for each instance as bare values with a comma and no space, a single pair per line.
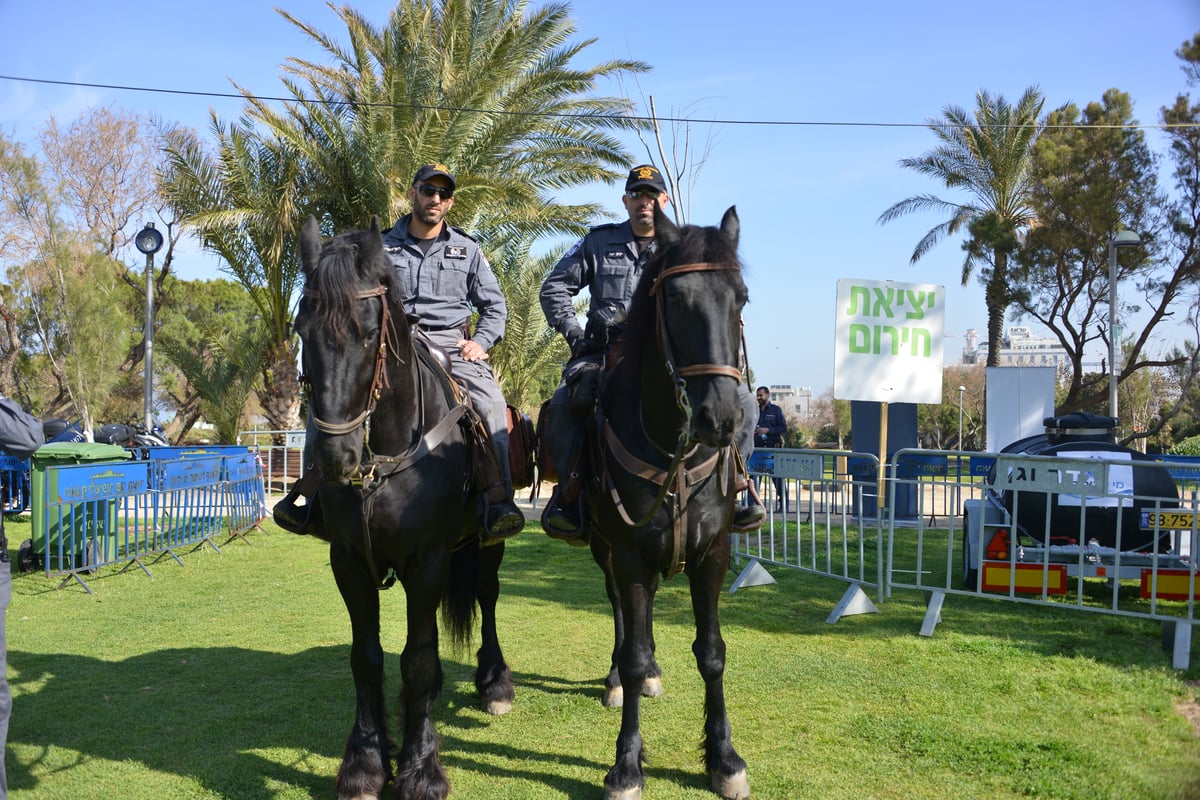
430,170
645,175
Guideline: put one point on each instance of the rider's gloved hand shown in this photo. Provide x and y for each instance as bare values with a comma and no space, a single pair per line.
575,339
600,325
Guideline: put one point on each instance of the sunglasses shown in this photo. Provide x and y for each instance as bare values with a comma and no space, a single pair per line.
651,194
429,191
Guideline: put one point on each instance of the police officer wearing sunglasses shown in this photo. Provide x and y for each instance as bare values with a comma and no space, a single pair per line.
608,261
443,277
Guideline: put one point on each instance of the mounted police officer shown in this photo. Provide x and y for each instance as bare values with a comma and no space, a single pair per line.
443,276
608,261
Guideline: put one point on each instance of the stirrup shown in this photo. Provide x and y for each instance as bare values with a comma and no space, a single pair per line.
501,521
748,518
560,523
297,519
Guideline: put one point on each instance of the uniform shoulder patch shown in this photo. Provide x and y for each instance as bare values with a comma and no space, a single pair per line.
574,249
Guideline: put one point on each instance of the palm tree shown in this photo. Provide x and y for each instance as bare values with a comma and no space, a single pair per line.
478,85
528,360
244,202
990,158
485,87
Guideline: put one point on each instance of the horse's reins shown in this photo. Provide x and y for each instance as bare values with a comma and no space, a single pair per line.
676,474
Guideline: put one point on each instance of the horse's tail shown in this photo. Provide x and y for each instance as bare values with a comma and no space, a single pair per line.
462,593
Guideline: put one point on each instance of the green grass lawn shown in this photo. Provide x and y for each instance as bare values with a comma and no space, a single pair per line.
228,677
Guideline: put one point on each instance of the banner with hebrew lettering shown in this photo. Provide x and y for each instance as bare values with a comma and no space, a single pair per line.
889,341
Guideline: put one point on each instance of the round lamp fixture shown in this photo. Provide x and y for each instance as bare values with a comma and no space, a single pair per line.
148,239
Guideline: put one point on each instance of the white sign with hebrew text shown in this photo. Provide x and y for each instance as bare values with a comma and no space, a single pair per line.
889,341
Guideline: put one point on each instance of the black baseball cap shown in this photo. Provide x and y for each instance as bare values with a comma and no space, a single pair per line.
431,170
645,175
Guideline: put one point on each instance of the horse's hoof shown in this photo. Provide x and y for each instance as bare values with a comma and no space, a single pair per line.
497,708
622,794
614,697
731,787
652,687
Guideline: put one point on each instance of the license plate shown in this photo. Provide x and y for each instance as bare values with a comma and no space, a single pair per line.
1176,520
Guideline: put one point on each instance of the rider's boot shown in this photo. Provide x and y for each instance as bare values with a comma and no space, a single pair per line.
563,517
752,515
501,517
300,518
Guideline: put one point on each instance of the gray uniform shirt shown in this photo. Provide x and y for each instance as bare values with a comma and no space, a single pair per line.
606,261
442,286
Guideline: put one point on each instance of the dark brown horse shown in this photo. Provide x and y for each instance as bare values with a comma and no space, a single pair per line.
665,475
397,503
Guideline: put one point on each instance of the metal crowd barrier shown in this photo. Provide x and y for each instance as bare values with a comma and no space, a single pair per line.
135,513
14,478
281,453
1072,531
1066,532
823,518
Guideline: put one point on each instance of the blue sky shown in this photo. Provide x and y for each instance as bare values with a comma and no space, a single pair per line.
862,78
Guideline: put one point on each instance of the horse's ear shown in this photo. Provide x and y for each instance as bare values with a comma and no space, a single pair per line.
374,243
310,243
665,231
730,225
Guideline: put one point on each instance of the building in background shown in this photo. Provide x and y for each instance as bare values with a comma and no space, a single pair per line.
793,401
1019,348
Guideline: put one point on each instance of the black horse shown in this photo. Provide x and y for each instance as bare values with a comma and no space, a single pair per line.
396,496
665,472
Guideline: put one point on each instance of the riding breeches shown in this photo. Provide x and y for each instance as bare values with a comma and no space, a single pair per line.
486,398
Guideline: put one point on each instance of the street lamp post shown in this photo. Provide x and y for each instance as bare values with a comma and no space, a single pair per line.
961,389
958,461
1122,239
149,241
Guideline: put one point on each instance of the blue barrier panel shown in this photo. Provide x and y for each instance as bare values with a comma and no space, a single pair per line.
1184,470
245,495
981,466
14,477
87,508
916,465
190,508
761,461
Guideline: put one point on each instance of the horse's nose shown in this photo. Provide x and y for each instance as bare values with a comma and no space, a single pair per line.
716,418
337,456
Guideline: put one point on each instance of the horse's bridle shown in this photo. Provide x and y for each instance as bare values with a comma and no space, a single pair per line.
379,380
675,475
680,374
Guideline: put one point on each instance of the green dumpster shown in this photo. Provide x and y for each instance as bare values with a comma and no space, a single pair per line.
59,532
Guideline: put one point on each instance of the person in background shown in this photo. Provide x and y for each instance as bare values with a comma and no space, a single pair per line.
20,434
608,261
769,431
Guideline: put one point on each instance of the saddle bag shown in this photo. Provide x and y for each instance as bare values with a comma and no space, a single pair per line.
522,447
545,466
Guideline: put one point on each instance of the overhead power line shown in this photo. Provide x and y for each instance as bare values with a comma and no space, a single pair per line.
632,117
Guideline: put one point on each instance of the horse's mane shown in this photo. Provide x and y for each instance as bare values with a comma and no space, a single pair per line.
331,290
694,243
